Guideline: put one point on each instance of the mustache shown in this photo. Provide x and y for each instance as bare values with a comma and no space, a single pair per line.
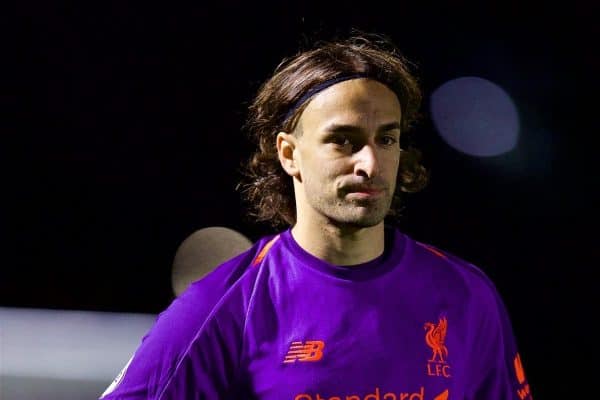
375,185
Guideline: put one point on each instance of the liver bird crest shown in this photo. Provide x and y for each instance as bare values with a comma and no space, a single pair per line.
435,337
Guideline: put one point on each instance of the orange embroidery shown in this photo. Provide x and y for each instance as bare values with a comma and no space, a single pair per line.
524,391
311,351
264,251
435,337
519,369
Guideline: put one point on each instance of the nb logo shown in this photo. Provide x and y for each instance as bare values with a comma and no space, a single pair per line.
312,350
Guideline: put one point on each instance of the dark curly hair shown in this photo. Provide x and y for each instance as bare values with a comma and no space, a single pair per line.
265,185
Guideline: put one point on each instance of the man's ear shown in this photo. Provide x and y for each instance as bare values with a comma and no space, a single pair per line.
286,146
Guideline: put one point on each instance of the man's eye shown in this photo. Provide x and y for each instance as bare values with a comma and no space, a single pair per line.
340,140
388,140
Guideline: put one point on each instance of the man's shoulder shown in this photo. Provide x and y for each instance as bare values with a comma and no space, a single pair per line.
448,265
190,318
227,277
192,311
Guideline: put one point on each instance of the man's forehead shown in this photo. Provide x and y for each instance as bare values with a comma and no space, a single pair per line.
352,102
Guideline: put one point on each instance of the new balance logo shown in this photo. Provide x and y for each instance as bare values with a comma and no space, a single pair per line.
312,350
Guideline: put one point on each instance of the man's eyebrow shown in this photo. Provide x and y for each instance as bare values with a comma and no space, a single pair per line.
336,128
389,127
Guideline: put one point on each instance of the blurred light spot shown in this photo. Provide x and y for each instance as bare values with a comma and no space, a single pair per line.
68,345
475,116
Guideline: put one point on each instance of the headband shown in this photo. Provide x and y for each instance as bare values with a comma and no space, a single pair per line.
319,88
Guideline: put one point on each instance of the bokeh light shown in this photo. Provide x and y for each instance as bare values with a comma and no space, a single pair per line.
475,116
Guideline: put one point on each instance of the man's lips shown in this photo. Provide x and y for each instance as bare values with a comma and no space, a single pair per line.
364,191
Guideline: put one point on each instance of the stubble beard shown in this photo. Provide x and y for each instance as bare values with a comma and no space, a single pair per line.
353,213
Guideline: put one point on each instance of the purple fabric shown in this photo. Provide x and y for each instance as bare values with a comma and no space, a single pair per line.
414,324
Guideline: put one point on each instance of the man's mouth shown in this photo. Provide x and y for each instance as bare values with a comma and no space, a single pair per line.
364,192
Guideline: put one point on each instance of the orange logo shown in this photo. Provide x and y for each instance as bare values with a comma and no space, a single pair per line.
519,369
435,337
375,394
442,396
524,391
311,351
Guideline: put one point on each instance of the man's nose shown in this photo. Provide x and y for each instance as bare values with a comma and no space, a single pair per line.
366,164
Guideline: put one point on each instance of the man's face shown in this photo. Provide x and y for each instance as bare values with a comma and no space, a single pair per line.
348,153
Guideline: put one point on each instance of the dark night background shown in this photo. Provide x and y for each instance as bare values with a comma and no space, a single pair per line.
127,139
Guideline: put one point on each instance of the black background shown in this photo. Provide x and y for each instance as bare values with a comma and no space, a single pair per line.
127,139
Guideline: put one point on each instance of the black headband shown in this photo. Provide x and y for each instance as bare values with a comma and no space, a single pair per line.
319,88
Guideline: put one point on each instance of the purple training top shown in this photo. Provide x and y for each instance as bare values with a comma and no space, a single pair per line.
277,323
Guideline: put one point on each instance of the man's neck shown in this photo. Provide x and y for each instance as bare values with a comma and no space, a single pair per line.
340,245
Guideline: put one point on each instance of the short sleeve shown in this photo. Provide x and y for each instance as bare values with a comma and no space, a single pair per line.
502,374
193,345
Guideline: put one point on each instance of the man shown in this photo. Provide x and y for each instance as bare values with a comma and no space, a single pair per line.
338,306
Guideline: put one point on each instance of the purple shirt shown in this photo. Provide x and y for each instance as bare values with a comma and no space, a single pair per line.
277,323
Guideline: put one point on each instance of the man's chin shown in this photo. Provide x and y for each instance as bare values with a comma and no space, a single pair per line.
359,221
369,213
356,214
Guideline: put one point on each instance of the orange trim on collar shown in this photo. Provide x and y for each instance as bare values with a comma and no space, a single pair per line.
264,251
